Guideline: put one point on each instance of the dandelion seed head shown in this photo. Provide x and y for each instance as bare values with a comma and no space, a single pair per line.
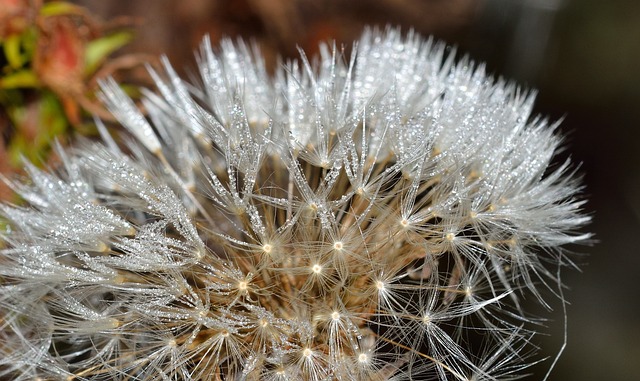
352,217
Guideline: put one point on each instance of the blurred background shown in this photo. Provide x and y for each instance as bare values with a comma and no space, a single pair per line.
582,55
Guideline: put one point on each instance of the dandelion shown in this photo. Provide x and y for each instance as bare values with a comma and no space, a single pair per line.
372,216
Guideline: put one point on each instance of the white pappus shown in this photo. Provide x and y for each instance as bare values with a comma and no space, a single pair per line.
377,215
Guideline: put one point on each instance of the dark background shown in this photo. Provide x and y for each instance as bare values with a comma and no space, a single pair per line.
582,55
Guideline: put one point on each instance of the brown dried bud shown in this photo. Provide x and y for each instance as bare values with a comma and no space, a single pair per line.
59,57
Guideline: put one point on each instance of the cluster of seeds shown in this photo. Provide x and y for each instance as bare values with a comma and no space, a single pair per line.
372,216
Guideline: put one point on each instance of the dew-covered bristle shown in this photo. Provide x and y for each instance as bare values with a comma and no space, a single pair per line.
378,216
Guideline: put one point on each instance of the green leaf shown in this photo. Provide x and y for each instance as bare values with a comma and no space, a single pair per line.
53,121
59,8
16,150
11,46
19,79
97,50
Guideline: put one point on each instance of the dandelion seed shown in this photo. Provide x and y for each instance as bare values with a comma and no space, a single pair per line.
351,218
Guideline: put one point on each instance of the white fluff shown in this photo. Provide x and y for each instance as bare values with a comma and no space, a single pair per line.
352,217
